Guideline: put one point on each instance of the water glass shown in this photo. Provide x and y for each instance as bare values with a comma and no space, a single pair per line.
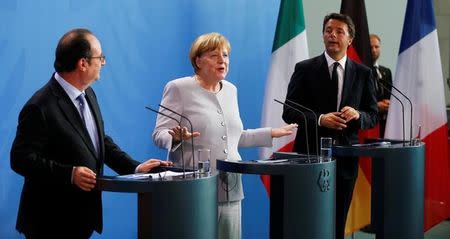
326,143
204,160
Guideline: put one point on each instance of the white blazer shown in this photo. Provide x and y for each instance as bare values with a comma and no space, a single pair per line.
216,117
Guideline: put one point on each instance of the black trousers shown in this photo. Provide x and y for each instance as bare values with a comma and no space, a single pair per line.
344,194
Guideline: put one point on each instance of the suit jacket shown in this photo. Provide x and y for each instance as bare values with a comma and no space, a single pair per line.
51,139
216,117
311,86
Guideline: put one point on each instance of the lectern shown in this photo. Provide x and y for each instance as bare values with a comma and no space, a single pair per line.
397,187
171,207
302,198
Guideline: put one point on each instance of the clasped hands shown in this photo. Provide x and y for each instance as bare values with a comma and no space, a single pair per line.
339,120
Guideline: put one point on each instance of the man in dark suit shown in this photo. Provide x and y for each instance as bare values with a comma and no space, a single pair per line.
342,93
383,81
61,146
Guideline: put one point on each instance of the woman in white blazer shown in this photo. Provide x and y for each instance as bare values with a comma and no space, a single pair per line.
210,102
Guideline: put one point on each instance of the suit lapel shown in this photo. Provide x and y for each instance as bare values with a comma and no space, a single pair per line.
349,79
72,115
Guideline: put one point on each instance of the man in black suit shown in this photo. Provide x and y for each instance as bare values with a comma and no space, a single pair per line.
342,93
61,146
383,82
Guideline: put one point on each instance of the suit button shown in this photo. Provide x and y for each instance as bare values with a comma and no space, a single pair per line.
224,137
219,111
225,151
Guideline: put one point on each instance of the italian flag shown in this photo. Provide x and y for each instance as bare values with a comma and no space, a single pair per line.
419,76
289,47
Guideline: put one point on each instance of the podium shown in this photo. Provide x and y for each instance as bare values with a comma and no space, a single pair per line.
302,198
171,207
397,187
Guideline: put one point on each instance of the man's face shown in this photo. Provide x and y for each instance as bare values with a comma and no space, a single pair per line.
96,62
336,38
375,48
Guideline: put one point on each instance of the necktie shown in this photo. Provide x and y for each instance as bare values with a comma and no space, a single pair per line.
335,80
87,118
377,79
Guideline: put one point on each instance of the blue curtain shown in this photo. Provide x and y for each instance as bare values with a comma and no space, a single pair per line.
146,44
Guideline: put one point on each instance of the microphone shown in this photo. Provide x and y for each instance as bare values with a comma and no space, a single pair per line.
181,136
306,124
192,131
403,110
410,105
316,124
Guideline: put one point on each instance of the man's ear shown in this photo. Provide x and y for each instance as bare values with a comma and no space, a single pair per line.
82,64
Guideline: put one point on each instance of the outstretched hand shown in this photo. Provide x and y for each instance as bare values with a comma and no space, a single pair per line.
283,131
177,132
151,163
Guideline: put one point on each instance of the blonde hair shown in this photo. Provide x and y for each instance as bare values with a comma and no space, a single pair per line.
206,43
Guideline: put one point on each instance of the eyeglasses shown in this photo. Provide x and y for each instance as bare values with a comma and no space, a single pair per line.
101,57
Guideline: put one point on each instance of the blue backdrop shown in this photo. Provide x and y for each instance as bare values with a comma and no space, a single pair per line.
146,44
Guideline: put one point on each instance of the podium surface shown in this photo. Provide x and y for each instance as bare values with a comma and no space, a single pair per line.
302,197
397,187
171,207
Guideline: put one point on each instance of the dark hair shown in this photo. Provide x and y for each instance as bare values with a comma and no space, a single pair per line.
72,47
343,18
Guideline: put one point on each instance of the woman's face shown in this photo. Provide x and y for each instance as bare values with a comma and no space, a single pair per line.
213,64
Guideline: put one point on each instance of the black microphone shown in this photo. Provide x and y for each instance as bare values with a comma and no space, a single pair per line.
192,131
403,110
181,135
410,105
306,124
316,124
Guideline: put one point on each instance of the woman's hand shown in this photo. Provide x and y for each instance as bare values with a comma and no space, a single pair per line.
178,131
283,131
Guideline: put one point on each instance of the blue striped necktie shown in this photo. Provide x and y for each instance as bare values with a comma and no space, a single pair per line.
88,120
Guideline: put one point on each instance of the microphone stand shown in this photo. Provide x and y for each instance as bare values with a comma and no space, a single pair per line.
192,131
410,105
317,122
403,110
306,125
181,136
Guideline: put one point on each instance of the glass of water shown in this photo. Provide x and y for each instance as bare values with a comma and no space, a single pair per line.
204,160
326,143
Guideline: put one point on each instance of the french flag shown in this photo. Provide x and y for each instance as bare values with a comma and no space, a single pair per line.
419,76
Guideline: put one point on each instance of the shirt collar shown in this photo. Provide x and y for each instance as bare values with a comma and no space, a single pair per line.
71,90
331,61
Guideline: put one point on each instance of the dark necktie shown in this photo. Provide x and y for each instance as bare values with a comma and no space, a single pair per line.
88,120
334,81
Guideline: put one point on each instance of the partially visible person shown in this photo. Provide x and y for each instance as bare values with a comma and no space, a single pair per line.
383,82
211,103
61,146
342,93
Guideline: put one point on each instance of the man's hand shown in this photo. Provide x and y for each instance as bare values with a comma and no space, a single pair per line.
151,163
84,178
333,120
383,105
348,113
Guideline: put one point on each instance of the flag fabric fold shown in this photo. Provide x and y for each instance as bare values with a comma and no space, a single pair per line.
419,76
289,47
